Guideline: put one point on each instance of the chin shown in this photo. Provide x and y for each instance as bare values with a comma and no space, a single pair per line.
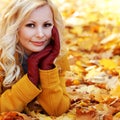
40,49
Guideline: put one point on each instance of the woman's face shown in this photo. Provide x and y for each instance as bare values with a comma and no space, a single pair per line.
35,32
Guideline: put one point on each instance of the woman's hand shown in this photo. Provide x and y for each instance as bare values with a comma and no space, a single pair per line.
33,62
47,62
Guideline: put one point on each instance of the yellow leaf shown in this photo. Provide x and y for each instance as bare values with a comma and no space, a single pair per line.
48,118
117,115
116,90
108,64
76,82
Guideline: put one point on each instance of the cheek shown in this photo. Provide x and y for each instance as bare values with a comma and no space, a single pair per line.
24,34
48,34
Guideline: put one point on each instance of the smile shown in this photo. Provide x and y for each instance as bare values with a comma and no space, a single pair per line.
38,43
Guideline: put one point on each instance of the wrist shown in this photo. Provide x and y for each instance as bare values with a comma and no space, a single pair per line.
48,67
49,77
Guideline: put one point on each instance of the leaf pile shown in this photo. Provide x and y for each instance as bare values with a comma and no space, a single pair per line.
92,35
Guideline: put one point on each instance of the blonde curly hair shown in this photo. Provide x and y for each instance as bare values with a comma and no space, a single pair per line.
10,20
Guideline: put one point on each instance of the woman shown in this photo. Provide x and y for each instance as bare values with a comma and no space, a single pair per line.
32,58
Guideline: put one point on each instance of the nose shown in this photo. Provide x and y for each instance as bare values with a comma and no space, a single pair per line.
39,32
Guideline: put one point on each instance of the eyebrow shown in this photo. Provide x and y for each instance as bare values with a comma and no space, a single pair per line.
34,21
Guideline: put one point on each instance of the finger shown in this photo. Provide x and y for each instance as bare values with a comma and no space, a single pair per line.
44,52
35,57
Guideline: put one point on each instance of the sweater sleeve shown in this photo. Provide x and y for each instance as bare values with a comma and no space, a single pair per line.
53,98
16,98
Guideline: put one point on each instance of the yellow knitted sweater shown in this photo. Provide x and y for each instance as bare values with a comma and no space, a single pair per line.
51,94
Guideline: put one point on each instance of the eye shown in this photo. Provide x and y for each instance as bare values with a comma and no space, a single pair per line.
31,25
47,25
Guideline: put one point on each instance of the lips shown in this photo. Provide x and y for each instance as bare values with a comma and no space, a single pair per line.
40,43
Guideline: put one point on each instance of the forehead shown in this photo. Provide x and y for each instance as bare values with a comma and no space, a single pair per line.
42,13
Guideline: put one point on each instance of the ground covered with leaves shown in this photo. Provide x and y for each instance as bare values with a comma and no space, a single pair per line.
92,35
